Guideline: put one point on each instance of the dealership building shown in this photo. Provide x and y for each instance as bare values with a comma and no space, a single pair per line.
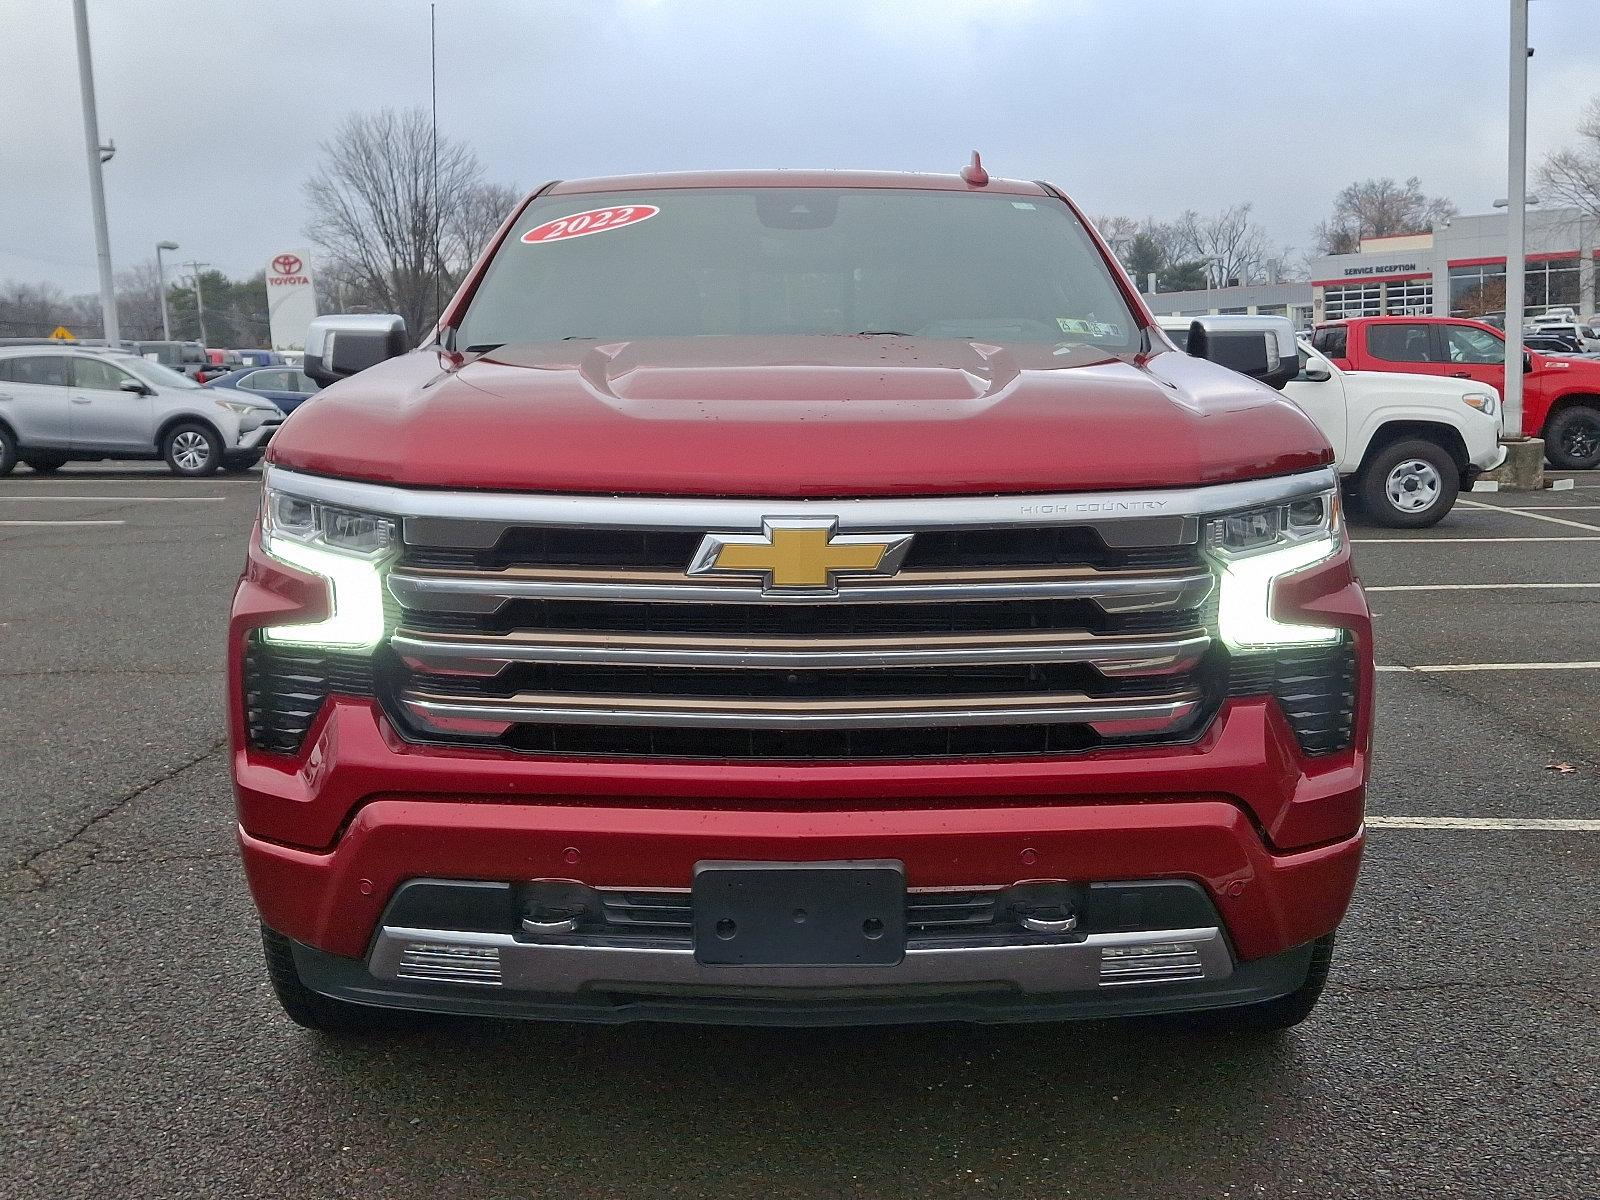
1457,270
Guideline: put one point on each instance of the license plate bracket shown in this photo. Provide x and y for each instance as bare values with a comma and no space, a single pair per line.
811,914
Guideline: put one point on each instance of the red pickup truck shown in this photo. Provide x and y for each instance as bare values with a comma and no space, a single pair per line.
798,598
1560,397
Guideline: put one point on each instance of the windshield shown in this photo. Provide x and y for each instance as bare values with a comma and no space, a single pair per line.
154,373
779,261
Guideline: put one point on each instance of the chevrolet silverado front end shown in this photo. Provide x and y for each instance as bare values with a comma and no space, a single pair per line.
817,599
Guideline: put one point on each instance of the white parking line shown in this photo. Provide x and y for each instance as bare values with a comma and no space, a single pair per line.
1532,516
1425,541
1440,668
111,499
1472,587
1541,507
30,524
1514,824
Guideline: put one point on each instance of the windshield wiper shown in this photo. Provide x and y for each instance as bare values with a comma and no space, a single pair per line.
882,333
484,348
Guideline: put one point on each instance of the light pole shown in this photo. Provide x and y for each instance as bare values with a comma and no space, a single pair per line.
98,155
199,299
1517,217
161,283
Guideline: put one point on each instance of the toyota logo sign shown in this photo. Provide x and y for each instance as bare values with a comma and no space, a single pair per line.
287,264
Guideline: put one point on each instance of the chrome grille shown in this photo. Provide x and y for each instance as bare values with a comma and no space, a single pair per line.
1032,635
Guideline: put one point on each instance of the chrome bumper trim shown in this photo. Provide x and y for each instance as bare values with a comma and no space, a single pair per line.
487,656
689,712
1116,592
1037,967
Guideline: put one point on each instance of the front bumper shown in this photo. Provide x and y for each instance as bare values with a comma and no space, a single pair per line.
257,438
1045,982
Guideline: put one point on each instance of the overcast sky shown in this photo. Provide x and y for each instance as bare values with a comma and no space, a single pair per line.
1133,106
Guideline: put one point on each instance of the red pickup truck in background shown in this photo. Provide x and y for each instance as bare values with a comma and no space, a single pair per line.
1561,395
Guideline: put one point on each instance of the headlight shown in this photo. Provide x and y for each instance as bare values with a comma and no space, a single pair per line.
1484,402
238,407
1256,548
345,547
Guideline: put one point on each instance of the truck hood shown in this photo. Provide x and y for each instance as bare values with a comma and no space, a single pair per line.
798,416
1419,387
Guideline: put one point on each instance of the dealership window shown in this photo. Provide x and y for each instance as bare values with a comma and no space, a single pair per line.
1410,298
1352,300
1552,283
1480,290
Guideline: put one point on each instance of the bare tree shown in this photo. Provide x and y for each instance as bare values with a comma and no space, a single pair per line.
139,301
1572,176
1230,243
1118,232
477,219
1379,208
390,221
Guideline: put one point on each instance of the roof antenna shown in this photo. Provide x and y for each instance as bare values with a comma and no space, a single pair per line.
974,173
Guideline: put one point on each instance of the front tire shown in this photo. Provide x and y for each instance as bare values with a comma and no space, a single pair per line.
312,1010
1572,439
1409,485
8,451
191,450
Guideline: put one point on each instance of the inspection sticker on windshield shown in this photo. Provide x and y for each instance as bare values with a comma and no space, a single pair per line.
594,220
1089,329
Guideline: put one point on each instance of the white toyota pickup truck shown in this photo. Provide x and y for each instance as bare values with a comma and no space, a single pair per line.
1405,444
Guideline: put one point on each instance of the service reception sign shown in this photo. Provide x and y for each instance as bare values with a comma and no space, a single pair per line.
291,299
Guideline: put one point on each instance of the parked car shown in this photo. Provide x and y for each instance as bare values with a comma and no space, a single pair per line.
81,405
284,386
1552,343
1561,394
260,358
1404,445
180,356
822,597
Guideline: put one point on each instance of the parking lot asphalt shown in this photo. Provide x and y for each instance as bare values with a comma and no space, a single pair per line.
1456,1052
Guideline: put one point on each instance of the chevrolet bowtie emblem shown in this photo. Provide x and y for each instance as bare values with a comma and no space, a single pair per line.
800,554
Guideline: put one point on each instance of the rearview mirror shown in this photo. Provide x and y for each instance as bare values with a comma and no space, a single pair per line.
137,388
1260,347
340,345
1315,372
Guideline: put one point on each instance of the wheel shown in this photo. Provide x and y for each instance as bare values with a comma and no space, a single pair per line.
1272,1016
45,463
238,466
1572,439
8,451
312,1009
1409,485
192,449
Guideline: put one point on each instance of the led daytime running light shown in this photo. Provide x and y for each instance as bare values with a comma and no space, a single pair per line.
356,587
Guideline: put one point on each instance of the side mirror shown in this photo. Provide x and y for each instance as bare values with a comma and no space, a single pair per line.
338,346
1315,372
1260,347
1527,362
137,388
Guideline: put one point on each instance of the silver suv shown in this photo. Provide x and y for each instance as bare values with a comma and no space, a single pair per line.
64,404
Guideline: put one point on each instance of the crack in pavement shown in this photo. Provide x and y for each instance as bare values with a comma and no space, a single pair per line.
30,876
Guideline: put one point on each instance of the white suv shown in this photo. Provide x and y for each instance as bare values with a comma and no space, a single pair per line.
60,404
